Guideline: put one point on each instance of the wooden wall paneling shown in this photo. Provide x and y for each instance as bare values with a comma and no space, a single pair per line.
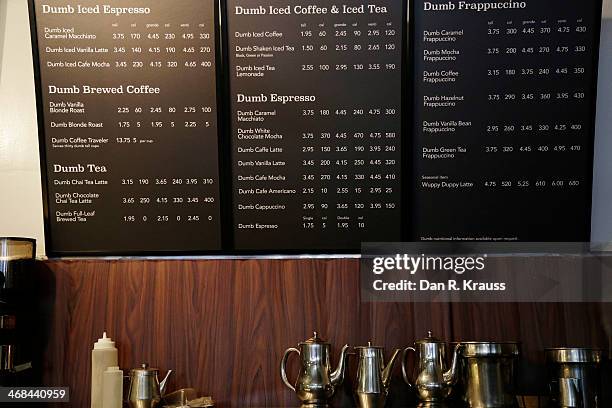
606,325
347,317
485,322
79,304
164,313
348,321
277,305
545,325
199,296
253,332
140,312
399,325
223,325
541,326
432,316
585,326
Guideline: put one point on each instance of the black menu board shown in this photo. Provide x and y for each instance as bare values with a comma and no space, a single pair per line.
128,117
316,92
503,119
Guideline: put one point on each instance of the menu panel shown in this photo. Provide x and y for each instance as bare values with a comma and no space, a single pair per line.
315,94
503,123
130,125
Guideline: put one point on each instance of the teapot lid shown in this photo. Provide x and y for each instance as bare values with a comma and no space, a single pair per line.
369,346
144,370
315,339
429,339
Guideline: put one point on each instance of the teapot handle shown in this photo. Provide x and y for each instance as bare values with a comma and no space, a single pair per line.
404,371
283,366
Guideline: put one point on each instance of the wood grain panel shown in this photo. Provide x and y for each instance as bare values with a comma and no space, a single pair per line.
223,325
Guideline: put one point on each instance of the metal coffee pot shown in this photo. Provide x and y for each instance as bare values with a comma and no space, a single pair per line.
316,382
373,377
574,377
434,382
145,390
488,374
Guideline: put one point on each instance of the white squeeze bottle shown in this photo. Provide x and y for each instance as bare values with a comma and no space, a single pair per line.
103,355
112,384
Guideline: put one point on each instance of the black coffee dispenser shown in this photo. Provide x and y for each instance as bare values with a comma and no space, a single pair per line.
16,268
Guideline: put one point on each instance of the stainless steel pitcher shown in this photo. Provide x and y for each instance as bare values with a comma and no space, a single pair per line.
488,371
316,382
434,380
373,377
574,377
145,390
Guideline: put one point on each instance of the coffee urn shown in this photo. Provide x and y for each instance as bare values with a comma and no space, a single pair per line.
16,265
574,377
488,374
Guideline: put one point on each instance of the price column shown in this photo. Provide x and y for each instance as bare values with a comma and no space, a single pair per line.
316,105
504,120
130,125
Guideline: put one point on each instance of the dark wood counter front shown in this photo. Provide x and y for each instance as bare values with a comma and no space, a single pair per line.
222,325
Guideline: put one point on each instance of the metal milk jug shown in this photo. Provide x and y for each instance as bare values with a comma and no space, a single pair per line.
373,377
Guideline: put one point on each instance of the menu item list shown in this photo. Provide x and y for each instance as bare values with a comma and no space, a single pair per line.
315,95
129,107
503,124
501,132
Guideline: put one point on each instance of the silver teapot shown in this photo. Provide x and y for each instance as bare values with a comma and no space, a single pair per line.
316,382
373,377
145,390
434,382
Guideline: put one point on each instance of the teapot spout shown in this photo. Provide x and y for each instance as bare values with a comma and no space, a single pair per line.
337,377
450,377
163,383
388,370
